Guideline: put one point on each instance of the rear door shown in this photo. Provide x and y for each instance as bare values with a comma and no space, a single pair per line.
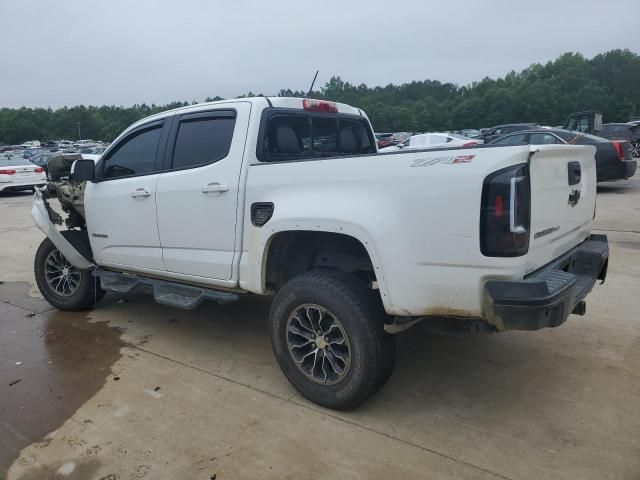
198,194
563,194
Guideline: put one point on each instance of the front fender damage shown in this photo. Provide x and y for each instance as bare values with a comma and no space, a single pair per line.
40,214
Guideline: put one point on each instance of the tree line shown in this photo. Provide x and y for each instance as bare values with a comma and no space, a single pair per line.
547,94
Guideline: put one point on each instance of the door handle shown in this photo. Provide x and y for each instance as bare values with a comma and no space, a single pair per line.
574,173
140,192
215,187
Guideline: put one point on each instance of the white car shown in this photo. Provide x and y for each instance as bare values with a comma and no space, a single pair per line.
86,143
289,197
17,173
31,144
433,140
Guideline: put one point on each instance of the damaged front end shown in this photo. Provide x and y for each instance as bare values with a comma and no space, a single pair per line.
70,194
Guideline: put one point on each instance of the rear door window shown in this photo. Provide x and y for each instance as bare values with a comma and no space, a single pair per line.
202,140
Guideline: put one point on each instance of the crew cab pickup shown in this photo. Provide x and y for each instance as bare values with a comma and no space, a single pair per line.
289,197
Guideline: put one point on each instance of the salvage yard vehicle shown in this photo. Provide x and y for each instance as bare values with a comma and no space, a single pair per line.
492,133
17,173
629,132
289,197
590,122
427,141
614,158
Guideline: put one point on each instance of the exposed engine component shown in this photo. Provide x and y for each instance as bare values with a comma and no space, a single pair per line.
69,193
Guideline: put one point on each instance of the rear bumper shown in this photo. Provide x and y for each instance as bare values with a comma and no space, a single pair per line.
546,297
620,170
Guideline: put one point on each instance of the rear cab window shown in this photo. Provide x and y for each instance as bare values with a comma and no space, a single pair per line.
288,134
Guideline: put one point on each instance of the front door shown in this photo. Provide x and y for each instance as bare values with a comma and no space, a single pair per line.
198,198
121,204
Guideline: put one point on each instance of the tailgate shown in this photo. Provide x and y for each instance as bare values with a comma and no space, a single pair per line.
563,197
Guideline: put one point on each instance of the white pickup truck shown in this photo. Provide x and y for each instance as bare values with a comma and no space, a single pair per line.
289,196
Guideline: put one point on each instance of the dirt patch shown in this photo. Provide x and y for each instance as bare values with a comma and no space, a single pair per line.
80,470
50,364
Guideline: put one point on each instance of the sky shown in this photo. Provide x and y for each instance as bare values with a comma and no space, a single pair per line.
121,52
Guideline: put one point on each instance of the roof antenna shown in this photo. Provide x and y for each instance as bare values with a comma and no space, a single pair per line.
312,83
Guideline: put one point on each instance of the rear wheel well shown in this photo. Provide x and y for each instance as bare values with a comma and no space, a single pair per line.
293,253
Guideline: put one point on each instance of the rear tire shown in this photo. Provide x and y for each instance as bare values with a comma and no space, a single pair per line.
63,286
327,333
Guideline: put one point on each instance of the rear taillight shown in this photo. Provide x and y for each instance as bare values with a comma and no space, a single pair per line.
470,144
505,213
39,170
7,172
619,149
319,106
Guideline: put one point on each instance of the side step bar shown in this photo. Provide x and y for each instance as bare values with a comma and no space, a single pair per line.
166,293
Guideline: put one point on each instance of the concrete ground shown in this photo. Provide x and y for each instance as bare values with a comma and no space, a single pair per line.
135,390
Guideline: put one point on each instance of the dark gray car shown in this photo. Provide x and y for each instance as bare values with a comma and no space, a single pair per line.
623,131
500,130
613,157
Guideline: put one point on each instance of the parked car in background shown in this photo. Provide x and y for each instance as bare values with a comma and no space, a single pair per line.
468,132
86,143
42,159
10,148
494,132
93,150
613,158
17,173
402,136
31,144
385,139
432,140
588,121
629,132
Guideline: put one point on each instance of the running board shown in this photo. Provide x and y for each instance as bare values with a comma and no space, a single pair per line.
166,293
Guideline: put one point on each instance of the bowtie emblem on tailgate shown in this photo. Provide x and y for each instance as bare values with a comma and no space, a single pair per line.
574,197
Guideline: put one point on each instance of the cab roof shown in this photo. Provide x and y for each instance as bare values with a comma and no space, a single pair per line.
279,102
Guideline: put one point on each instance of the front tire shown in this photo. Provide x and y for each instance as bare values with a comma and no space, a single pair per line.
327,333
61,284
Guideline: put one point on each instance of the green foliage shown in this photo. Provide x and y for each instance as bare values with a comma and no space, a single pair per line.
547,94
